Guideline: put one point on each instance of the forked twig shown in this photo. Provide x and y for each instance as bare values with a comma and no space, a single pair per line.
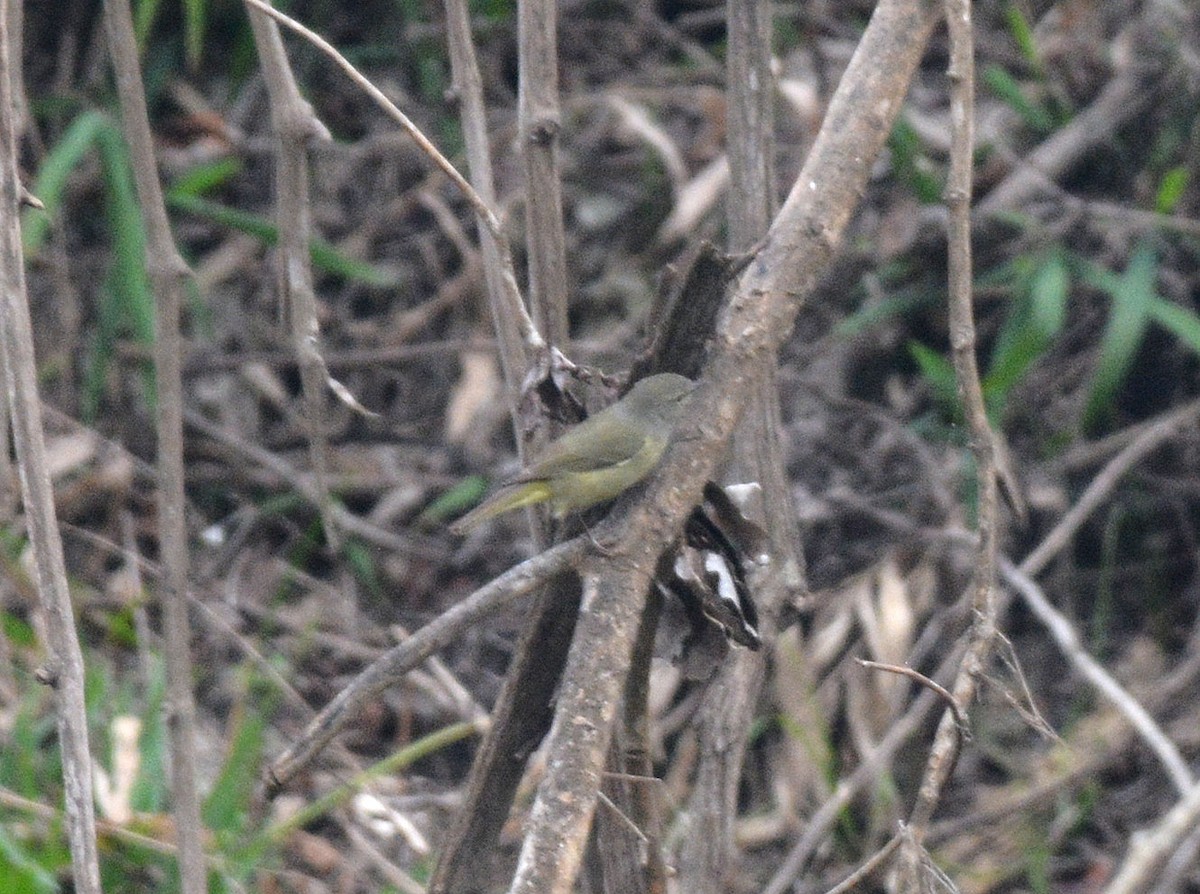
65,670
295,126
168,275
515,305
961,74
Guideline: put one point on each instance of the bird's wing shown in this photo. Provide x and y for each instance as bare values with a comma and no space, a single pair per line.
584,448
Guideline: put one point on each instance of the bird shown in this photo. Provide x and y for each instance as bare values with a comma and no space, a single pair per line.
598,459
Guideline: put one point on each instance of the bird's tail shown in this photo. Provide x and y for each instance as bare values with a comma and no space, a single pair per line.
509,497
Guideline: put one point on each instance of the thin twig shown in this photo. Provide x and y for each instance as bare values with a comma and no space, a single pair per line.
468,87
962,342
295,126
436,635
64,670
923,680
168,275
753,324
1151,848
293,477
514,304
538,122
867,869
1147,441
1064,634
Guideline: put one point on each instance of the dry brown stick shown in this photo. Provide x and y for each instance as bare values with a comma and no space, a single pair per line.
521,712
867,869
707,852
64,670
941,691
14,801
1150,849
983,446
168,276
514,305
436,635
292,477
756,321
819,823
1147,441
1148,438
468,87
16,41
1068,641
538,122
295,126
626,851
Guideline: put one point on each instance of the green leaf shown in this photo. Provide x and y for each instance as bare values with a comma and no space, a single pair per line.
939,372
1035,116
206,177
1181,322
1132,295
458,499
1174,184
128,302
20,870
1021,32
324,256
144,17
912,167
193,29
897,305
62,159
362,564
150,790
229,799
1037,316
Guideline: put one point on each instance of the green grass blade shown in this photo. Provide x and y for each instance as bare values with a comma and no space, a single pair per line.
324,256
898,305
939,372
1132,295
1038,314
193,30
912,167
20,870
52,178
206,177
128,304
227,802
144,17
1184,324
1006,88
1021,32
1171,189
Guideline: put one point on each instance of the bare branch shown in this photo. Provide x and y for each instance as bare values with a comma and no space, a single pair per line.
514,304
757,320
1068,640
168,275
1147,441
497,264
397,661
295,125
1150,849
538,122
966,370
64,670
707,851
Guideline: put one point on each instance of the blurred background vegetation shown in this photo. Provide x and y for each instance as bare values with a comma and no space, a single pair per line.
1088,302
